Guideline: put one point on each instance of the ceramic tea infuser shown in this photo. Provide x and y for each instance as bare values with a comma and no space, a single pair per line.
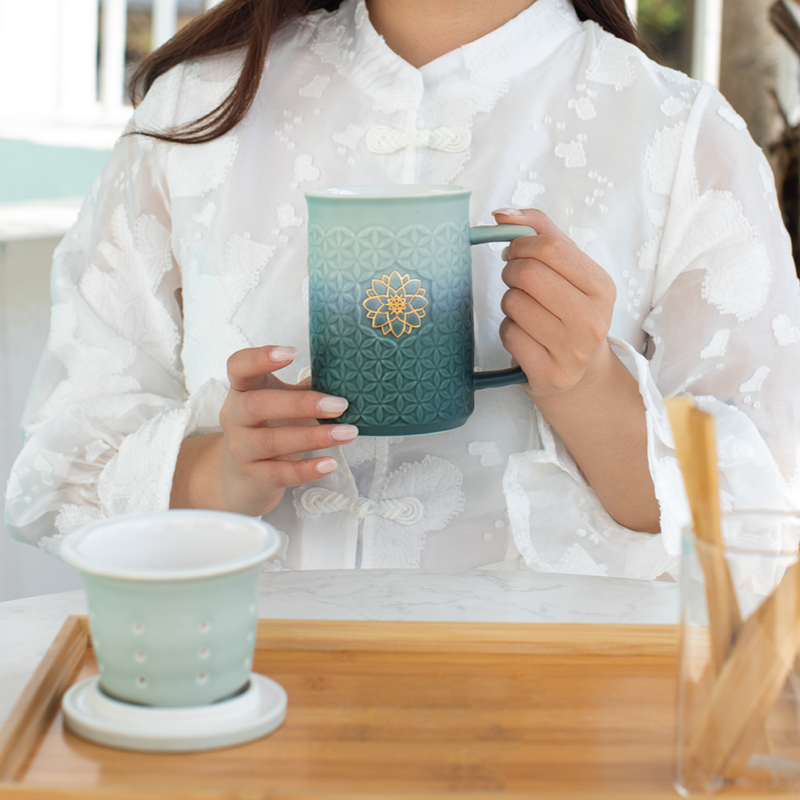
172,600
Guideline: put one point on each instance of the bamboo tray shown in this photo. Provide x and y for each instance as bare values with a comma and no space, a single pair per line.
391,710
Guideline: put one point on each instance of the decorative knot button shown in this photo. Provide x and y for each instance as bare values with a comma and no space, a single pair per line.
384,139
325,501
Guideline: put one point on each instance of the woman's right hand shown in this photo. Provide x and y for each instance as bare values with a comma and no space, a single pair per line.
268,426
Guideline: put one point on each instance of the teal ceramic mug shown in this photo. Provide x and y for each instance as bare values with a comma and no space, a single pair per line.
390,305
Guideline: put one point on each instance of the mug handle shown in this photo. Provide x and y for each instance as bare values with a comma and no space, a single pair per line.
482,234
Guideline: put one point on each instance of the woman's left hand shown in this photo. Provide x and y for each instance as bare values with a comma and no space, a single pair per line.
558,305
558,311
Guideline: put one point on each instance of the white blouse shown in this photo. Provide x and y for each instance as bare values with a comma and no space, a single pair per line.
184,254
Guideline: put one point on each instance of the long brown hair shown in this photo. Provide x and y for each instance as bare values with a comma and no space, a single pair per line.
248,25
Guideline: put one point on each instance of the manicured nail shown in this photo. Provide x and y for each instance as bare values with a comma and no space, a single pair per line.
504,254
326,466
512,212
343,433
282,353
332,405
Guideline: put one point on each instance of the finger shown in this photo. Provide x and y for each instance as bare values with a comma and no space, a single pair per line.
262,406
564,257
532,356
524,348
534,334
248,368
279,474
537,320
570,325
554,248
549,287
544,370
532,217
570,349
259,444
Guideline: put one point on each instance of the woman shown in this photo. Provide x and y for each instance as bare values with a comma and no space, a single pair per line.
174,372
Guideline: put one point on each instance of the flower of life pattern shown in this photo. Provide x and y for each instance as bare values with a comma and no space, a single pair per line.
401,381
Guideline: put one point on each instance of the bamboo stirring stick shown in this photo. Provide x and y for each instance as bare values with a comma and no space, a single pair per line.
748,686
766,646
693,431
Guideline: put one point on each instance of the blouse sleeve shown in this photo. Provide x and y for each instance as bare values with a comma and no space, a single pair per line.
727,306
724,327
108,408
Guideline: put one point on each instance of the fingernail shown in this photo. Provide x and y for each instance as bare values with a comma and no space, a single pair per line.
504,254
282,353
332,405
326,466
513,212
343,433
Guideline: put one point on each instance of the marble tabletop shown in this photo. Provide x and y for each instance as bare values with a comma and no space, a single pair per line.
28,626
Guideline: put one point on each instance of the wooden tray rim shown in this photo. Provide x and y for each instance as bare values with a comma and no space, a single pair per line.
40,700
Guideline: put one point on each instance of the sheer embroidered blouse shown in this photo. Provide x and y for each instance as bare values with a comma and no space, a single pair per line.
185,254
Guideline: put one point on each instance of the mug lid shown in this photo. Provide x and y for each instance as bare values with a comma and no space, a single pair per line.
180,544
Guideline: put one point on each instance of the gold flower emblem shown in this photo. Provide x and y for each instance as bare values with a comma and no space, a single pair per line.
395,304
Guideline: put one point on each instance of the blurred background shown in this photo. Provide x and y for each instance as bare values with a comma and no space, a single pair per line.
62,105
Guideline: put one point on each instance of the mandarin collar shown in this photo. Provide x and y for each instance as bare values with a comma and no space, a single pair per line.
347,39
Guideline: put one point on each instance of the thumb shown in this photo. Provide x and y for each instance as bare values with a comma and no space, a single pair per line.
532,217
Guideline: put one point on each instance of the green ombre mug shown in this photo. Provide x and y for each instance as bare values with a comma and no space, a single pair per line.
390,305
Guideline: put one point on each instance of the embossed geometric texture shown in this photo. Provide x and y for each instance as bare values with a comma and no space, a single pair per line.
417,379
